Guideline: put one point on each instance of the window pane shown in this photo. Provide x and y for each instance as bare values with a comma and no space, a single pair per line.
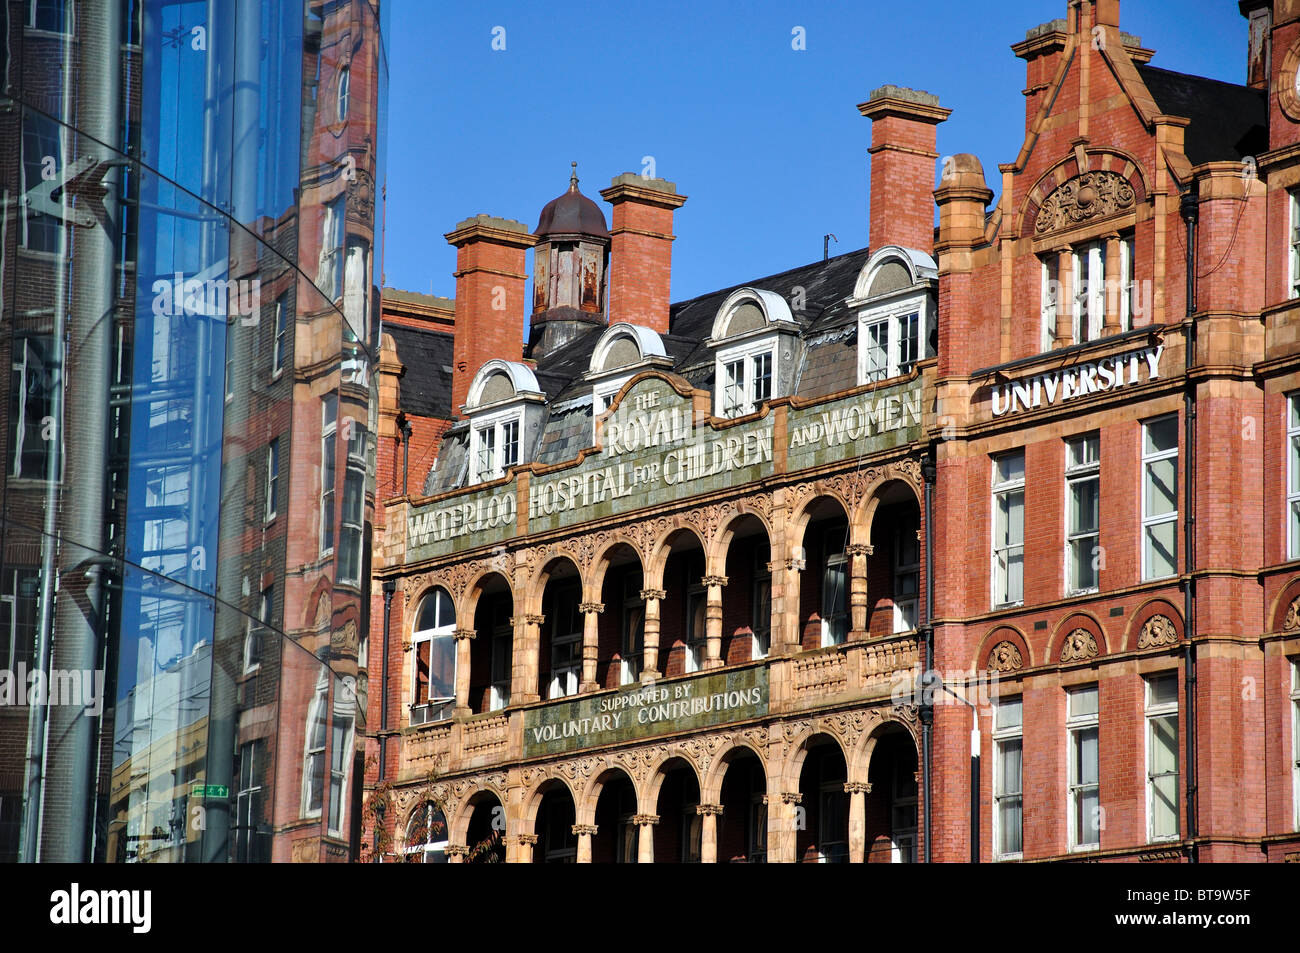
1009,825
1161,549
1009,756
1164,806
1162,435
1010,467
1083,572
1083,702
1008,714
1162,689
1161,486
1086,764
1084,499
1088,817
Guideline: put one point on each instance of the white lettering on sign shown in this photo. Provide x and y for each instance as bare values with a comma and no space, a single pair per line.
646,430
1094,377
871,417
650,705
434,526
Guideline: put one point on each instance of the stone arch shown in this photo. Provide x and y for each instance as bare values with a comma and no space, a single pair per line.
536,586
1121,163
1146,611
1280,612
458,824
474,591
797,525
659,770
1066,628
586,804
661,549
711,779
797,753
532,799
993,638
860,762
716,554
863,517
600,563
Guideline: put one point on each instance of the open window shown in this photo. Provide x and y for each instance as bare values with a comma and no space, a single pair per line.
433,647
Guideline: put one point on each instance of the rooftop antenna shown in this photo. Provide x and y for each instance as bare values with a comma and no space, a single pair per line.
826,245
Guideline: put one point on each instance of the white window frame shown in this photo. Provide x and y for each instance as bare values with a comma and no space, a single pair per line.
902,836
1006,733
1075,726
30,20
257,630
829,636
355,434
328,466
1001,553
1050,298
893,316
633,618
422,711
696,640
906,618
281,335
1170,516
1295,742
430,851
272,480
761,627
748,355
248,799
602,394
1129,286
1089,292
499,688
1156,711
344,93
498,425
1293,475
565,679
317,710
1293,276
1080,468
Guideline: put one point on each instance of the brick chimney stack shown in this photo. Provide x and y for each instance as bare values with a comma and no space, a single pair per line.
1259,42
490,277
641,249
903,157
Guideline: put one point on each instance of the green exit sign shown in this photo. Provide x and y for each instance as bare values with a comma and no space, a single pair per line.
210,791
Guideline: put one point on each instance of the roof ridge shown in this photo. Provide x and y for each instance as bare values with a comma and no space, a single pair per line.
1147,67
755,281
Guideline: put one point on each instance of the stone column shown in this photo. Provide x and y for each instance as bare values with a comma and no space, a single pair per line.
780,826
650,638
858,553
857,791
1065,300
524,848
708,832
645,847
713,621
584,833
456,853
464,638
590,644
785,605
525,664
1114,286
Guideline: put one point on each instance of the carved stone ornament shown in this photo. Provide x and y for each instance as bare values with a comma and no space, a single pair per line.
1005,657
1158,630
1293,615
1079,645
1083,198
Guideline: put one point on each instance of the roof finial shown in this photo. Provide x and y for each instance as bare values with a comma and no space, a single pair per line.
573,179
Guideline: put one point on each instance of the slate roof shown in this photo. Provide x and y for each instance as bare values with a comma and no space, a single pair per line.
425,389
829,365
1227,121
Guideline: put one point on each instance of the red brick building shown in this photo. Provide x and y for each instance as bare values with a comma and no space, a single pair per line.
730,502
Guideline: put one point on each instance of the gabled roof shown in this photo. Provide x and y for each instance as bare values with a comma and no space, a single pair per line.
1228,122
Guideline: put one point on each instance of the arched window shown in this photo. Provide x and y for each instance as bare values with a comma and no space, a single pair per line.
426,835
434,649
748,358
345,92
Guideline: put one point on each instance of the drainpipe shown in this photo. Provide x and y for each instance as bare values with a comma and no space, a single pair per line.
1188,207
927,636
404,428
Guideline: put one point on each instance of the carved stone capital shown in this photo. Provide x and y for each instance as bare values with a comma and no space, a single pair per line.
456,850
592,607
857,787
653,594
642,819
714,581
789,565
791,797
860,549
705,809
529,619
529,839
463,634
580,829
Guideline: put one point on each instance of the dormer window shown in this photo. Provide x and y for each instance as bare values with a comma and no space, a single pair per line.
895,298
502,398
750,361
622,352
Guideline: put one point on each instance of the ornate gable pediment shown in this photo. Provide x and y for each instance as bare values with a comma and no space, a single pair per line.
1086,197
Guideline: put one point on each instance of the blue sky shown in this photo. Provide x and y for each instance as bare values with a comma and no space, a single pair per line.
766,141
